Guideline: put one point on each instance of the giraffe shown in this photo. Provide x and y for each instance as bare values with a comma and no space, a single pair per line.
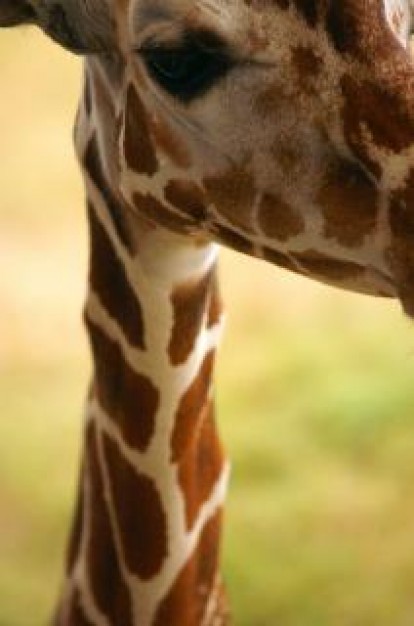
283,129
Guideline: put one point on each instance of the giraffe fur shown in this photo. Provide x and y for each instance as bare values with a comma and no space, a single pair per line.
283,129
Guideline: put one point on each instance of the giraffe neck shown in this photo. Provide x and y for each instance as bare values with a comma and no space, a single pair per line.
145,540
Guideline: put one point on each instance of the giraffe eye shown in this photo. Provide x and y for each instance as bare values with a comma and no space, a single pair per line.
189,69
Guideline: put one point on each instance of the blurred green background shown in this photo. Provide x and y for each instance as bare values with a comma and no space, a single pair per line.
315,394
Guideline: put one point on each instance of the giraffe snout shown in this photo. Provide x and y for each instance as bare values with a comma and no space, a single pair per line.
50,17
56,22
16,12
72,24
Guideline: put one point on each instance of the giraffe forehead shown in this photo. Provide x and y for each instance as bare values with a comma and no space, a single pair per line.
247,23
168,20
272,25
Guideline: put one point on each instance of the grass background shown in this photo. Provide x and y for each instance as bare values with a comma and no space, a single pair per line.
315,395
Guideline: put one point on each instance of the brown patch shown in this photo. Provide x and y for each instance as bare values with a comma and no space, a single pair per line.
109,281
76,530
361,30
233,194
138,148
342,26
140,517
271,102
402,248
278,258
186,602
308,66
349,201
76,615
383,113
232,239
150,208
189,409
289,159
283,4
278,220
216,306
93,165
308,9
109,590
170,143
189,303
257,38
201,466
188,197
319,265
130,399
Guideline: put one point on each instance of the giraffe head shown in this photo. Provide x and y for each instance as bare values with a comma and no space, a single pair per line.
283,128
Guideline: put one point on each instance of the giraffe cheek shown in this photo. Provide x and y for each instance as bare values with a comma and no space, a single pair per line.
349,203
169,143
232,193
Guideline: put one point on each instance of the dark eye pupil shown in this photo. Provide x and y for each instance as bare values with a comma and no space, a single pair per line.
172,65
189,70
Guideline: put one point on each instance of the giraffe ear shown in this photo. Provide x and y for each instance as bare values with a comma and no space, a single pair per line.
16,12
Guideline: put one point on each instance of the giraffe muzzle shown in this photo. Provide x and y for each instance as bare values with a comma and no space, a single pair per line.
57,22
58,26
52,19
16,12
